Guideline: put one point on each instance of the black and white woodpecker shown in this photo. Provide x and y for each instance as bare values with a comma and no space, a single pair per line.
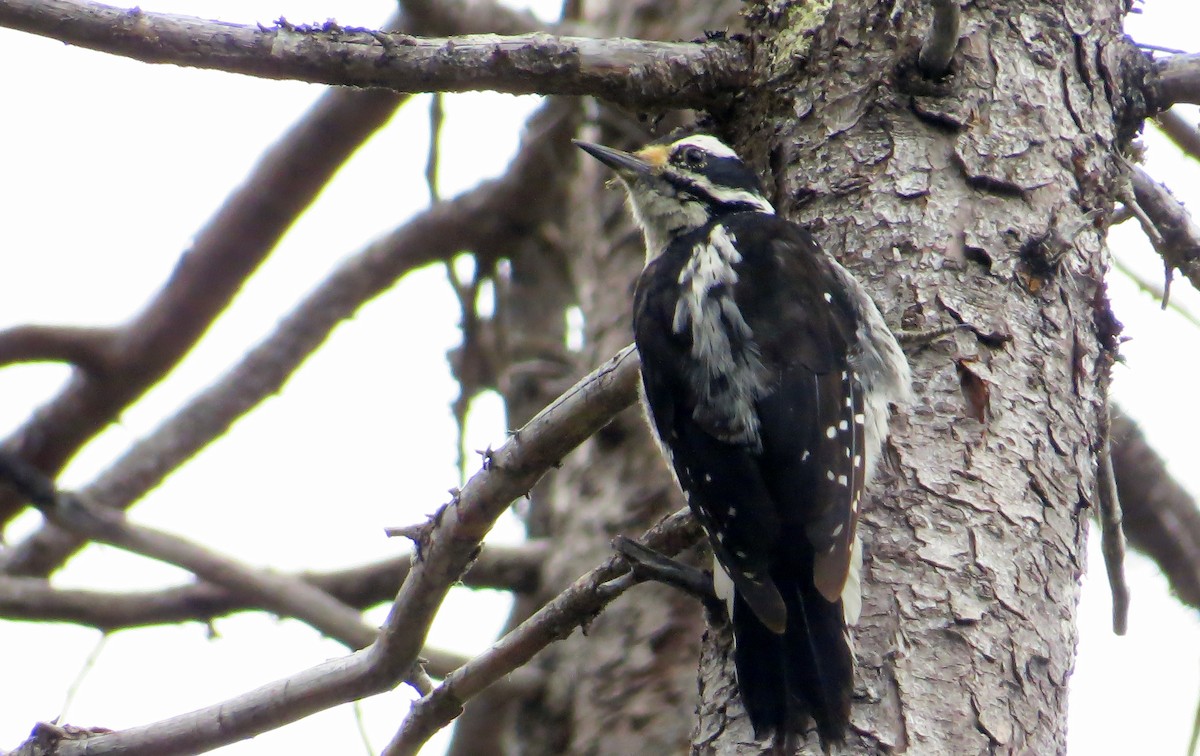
767,375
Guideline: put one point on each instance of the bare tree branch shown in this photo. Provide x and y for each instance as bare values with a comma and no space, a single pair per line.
941,40
574,607
509,568
1161,517
489,212
1112,536
86,348
239,237
1178,235
253,218
1176,80
1181,131
452,541
283,594
511,471
660,75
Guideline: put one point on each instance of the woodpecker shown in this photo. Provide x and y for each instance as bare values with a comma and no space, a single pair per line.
767,377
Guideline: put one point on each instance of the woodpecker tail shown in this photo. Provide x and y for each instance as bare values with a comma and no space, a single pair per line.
808,671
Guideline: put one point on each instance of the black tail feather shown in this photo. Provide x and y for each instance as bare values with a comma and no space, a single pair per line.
808,672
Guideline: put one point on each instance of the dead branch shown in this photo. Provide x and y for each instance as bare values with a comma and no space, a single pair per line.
1181,131
1178,236
941,40
225,252
280,186
659,75
88,349
508,568
1176,80
274,591
1161,517
491,211
1112,535
282,594
509,473
574,607
452,542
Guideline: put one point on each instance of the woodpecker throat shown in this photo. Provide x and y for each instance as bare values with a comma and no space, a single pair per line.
767,375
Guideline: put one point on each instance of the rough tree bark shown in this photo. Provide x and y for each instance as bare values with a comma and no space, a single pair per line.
981,198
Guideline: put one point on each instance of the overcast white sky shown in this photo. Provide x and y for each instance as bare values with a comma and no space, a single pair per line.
110,166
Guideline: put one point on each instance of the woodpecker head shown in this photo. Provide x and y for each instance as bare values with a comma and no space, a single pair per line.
677,186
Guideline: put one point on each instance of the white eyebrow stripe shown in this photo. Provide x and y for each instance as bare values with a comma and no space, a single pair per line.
709,144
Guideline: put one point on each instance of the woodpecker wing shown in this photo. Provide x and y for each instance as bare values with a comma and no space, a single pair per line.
812,417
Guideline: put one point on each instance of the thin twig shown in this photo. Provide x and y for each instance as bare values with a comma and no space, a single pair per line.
645,74
88,665
937,51
572,608
436,116
360,724
1112,537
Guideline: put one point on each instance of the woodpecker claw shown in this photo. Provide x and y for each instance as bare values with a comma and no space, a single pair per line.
646,564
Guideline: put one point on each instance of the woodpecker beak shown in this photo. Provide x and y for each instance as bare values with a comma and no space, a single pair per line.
626,164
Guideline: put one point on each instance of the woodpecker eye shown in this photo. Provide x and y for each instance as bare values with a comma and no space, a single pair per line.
693,157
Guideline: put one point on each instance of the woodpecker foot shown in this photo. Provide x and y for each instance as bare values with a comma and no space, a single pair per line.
647,564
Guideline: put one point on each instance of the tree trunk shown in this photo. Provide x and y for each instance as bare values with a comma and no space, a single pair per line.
983,199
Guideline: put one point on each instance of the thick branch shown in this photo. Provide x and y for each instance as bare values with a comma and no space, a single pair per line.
452,541
490,211
1176,80
511,568
941,40
631,72
1161,517
574,607
85,348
